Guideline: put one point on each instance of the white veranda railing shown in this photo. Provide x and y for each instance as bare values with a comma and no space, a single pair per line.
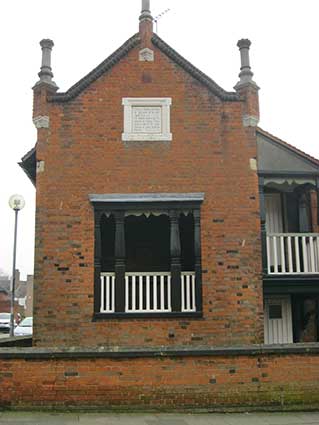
188,291
148,292
107,293
293,253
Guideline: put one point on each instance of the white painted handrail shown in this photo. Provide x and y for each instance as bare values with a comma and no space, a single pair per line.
293,253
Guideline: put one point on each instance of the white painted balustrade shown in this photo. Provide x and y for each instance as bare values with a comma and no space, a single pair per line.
188,291
148,292
293,253
107,293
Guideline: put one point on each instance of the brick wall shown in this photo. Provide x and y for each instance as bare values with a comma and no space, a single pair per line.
83,153
247,378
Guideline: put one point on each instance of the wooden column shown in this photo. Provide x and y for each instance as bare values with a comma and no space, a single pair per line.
261,184
119,261
97,261
198,260
304,214
175,245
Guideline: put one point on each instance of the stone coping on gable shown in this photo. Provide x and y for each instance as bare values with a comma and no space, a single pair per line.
131,352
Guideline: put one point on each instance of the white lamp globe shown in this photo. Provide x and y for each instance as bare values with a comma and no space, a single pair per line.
16,202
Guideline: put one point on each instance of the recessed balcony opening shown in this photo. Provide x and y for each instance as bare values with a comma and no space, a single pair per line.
292,244
155,251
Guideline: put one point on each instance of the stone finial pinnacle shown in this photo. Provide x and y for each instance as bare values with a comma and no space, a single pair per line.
245,74
247,88
45,73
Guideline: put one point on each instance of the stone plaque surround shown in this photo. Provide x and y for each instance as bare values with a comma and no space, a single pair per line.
147,119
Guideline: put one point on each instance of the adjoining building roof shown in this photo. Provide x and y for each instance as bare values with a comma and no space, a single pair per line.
29,164
278,157
134,41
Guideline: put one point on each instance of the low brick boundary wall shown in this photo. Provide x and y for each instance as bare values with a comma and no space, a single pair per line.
277,377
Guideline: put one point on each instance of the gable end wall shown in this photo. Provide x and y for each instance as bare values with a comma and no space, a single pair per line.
83,153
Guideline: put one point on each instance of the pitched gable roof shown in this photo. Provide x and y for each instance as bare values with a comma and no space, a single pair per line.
277,156
92,76
134,41
192,70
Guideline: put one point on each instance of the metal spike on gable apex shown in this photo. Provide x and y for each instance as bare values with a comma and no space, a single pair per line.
146,11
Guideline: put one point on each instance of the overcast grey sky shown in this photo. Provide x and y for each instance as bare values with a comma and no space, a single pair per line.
284,59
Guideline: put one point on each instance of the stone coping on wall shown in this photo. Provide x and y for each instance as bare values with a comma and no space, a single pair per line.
131,352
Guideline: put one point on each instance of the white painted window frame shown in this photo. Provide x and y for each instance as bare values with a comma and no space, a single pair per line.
130,102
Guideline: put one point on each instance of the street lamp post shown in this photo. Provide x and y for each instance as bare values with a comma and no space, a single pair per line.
16,202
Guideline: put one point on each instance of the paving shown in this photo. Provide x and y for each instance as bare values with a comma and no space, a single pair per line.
37,418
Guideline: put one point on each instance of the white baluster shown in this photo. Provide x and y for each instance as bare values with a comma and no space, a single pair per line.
282,250
102,294
290,263
140,284
304,254
107,293
162,305
113,293
188,293
312,255
127,293
193,293
275,254
133,293
148,295
183,291
317,254
169,300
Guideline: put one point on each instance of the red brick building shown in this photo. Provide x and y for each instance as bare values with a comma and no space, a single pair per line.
165,216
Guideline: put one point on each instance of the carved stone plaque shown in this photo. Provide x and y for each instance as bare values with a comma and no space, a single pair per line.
147,119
